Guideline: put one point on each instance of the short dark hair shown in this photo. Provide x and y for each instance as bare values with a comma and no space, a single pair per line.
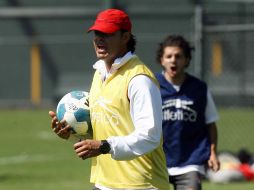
174,40
131,45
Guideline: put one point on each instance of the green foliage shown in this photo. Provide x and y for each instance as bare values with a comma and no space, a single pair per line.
32,157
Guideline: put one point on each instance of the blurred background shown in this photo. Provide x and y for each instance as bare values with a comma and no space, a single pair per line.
46,52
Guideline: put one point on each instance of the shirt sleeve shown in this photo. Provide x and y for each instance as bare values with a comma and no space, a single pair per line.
146,114
211,113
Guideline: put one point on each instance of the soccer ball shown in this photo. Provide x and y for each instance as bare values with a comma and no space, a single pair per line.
74,109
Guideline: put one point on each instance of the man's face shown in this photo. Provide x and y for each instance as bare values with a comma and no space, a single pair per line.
108,47
174,61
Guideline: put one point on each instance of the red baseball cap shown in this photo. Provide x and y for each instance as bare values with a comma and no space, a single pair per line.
110,21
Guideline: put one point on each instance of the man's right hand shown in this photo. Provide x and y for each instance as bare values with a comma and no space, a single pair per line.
61,128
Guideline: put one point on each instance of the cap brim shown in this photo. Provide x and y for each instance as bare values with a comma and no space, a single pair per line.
105,28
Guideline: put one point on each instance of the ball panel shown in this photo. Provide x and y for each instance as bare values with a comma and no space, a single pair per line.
85,103
77,94
60,112
70,119
81,115
81,128
72,105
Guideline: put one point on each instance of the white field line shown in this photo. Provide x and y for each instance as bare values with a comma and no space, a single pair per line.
47,135
23,158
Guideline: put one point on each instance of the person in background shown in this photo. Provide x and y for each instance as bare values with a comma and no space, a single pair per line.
189,116
125,109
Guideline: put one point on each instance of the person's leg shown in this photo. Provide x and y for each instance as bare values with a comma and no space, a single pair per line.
194,181
188,181
174,180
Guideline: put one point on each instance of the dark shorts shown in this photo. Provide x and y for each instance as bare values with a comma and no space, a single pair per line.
187,181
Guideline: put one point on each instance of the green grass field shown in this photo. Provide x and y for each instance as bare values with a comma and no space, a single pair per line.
33,158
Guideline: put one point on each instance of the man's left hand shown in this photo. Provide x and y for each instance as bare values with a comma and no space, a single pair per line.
87,148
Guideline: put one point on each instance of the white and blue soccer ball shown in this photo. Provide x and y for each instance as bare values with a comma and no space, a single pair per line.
74,109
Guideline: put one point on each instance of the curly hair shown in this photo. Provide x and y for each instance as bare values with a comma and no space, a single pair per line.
177,41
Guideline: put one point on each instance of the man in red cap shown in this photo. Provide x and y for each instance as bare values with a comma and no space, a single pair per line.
126,115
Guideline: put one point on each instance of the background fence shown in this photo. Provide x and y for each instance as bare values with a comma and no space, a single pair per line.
228,53
46,52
